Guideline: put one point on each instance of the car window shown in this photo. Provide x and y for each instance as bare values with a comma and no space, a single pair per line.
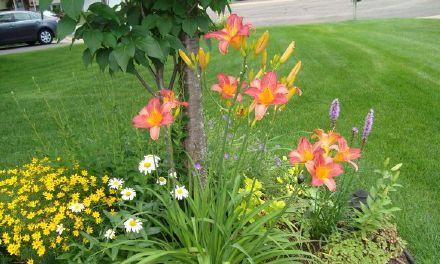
22,16
35,16
6,18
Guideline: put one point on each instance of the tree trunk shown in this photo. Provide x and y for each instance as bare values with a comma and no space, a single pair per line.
195,143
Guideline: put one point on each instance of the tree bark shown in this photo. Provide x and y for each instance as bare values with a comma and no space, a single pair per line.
195,143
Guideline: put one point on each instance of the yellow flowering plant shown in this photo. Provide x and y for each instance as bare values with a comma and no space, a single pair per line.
45,206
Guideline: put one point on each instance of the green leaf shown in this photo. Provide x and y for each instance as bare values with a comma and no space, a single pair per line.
203,23
165,25
149,21
189,26
163,5
93,39
65,27
72,7
87,57
123,53
140,58
175,42
102,58
151,47
104,11
109,40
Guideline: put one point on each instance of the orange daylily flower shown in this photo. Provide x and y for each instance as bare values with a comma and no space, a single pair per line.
326,140
345,153
323,169
170,99
153,116
304,153
226,86
267,91
233,33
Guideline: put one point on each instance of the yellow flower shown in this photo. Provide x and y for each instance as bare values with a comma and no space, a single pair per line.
262,42
288,52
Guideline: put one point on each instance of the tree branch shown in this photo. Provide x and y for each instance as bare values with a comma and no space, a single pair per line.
144,83
173,76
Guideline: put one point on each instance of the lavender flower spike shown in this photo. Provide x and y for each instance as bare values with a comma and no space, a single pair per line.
334,110
368,125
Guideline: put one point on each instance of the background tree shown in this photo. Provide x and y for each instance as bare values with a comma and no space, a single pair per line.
146,33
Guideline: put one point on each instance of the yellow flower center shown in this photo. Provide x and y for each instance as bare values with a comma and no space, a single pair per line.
266,96
147,165
179,191
322,172
127,193
308,155
155,118
133,223
229,90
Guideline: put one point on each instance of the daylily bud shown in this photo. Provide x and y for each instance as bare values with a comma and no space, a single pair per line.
203,59
251,74
288,52
259,74
263,58
193,57
292,75
262,43
186,59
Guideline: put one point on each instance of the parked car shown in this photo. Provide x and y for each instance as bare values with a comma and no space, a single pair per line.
26,27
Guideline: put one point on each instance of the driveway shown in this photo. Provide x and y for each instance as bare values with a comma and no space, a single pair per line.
276,12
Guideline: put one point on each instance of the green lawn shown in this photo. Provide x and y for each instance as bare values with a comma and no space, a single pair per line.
390,65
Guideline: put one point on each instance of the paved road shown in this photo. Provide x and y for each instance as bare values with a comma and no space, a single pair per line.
20,48
273,12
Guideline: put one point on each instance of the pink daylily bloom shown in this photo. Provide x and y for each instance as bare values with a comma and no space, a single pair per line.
345,153
267,91
323,169
170,98
304,153
233,33
153,116
226,86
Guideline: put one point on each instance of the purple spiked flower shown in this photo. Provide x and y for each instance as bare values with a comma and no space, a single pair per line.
354,132
198,166
368,125
334,110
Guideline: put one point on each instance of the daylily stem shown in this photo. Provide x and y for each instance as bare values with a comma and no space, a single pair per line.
144,83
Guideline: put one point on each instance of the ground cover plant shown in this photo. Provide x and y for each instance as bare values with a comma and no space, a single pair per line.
209,102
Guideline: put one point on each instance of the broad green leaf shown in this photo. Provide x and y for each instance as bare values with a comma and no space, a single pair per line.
163,5
72,7
112,63
109,40
149,21
93,39
140,58
102,58
165,25
189,26
104,11
123,53
87,57
151,47
65,27
175,42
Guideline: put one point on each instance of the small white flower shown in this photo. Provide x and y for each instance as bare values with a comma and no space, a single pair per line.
76,207
161,181
115,183
110,234
133,225
128,194
172,174
180,192
60,229
149,164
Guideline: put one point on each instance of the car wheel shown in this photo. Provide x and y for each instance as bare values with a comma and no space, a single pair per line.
45,36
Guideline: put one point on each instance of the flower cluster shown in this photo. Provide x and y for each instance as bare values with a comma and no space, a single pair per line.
158,113
265,88
47,205
254,188
323,158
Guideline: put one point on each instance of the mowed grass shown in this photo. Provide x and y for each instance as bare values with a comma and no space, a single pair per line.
392,66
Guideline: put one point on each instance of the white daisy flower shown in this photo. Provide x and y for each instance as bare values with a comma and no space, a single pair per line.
133,225
180,192
161,181
115,183
110,234
76,207
149,164
172,174
60,229
128,194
